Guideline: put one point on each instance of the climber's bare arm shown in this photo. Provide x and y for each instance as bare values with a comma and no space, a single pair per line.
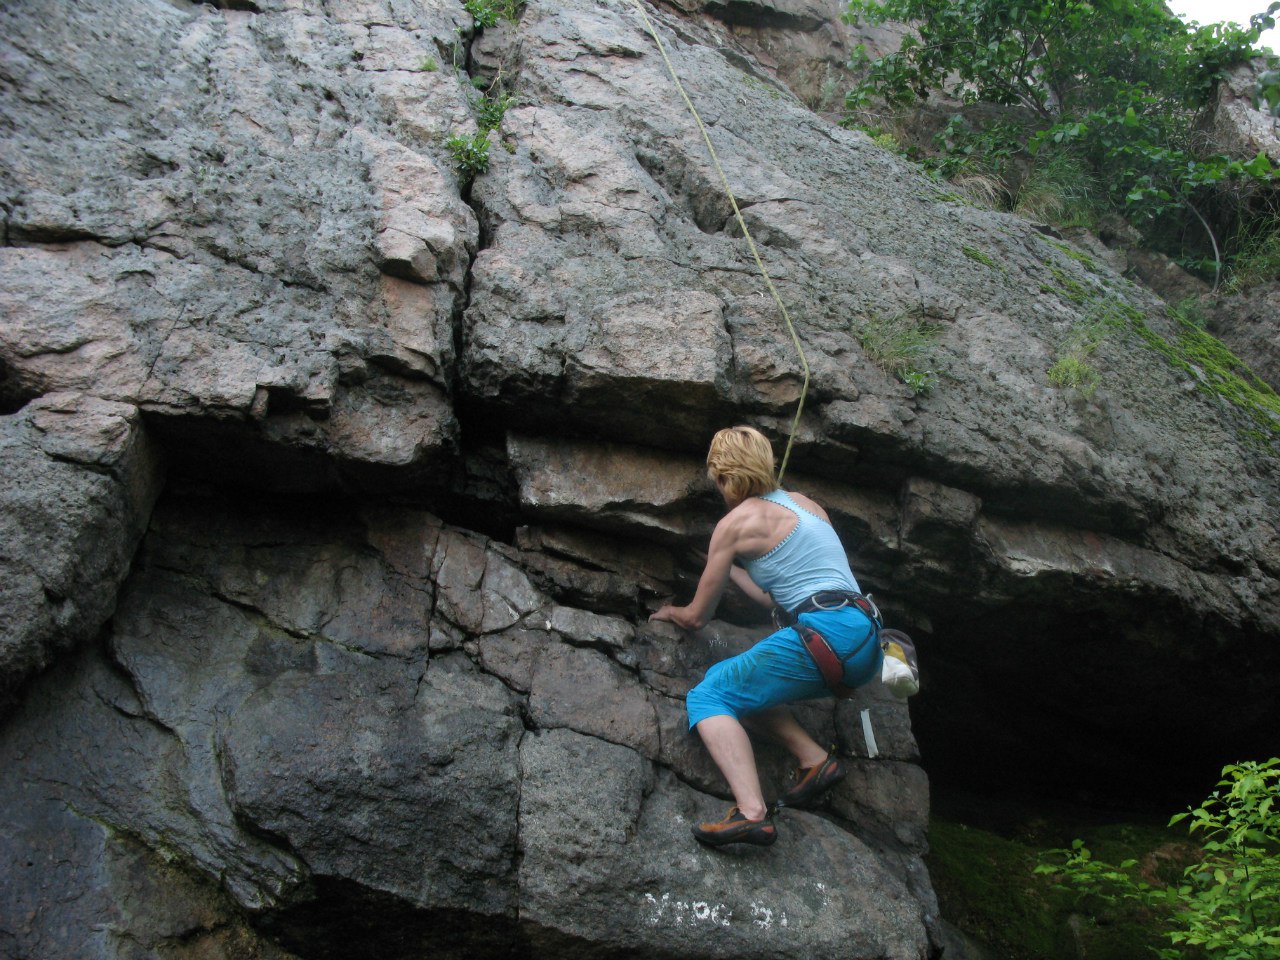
714,579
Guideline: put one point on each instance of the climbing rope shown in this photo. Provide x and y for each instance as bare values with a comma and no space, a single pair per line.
715,160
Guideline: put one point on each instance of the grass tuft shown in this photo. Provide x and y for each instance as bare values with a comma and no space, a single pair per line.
1059,190
900,344
1256,262
981,188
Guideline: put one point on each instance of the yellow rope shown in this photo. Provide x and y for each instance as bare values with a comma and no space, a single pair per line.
804,362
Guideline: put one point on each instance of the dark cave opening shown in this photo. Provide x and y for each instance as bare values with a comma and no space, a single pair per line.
1053,704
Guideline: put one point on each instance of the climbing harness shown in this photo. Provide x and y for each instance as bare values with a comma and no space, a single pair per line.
742,224
900,671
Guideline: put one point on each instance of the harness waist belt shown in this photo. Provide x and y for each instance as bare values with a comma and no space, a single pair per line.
836,600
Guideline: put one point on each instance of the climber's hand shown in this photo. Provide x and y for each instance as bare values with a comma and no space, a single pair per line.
662,613
680,616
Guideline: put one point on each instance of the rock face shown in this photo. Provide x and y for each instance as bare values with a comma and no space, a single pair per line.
1247,323
410,459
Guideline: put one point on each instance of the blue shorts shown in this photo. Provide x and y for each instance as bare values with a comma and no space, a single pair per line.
779,669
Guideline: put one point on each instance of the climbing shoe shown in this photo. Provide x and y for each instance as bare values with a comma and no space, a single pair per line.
812,783
735,828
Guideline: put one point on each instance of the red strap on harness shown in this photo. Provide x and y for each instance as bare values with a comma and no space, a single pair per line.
828,663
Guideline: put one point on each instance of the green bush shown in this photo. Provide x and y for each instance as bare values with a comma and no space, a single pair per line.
470,154
487,13
993,149
1226,905
1266,94
490,111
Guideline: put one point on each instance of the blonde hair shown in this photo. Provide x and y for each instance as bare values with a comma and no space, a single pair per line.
741,460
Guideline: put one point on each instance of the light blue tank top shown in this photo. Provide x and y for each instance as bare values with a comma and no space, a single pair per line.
807,561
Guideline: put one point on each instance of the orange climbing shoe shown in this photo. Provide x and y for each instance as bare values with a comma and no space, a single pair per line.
735,828
812,783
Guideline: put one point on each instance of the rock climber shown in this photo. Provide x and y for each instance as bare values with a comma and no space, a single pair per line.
791,558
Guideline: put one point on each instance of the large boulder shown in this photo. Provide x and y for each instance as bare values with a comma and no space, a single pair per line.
380,679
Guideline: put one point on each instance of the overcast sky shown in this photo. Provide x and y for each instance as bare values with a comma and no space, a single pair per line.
1214,11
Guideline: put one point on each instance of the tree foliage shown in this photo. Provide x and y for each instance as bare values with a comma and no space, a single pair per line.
1116,84
1227,904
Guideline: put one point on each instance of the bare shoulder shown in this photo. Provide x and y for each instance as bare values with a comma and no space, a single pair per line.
747,525
809,505
745,514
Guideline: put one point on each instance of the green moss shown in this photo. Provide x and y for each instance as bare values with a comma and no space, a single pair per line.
1216,371
1075,254
1069,288
1115,314
987,887
973,253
